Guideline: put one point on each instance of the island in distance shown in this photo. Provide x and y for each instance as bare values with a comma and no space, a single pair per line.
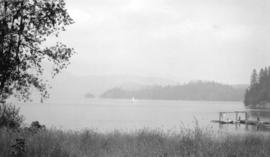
89,95
198,90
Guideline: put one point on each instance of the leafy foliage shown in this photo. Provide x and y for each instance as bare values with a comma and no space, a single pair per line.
258,92
36,126
10,117
24,27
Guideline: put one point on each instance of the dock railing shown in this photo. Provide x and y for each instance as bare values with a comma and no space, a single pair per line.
237,117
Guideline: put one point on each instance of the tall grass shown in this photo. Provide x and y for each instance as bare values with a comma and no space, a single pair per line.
143,143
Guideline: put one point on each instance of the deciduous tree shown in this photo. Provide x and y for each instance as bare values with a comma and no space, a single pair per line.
24,27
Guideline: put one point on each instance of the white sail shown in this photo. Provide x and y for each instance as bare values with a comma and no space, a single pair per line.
133,100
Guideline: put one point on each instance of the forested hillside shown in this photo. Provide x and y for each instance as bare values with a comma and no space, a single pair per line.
192,91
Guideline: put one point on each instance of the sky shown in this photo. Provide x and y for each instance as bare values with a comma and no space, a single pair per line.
220,40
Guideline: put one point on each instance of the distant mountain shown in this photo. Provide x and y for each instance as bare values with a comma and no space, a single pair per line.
198,90
68,87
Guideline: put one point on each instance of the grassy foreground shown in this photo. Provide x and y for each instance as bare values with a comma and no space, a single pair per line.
144,143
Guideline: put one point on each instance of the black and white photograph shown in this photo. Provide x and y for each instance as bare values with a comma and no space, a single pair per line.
134,78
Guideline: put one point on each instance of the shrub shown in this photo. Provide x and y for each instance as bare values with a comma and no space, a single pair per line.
36,126
10,116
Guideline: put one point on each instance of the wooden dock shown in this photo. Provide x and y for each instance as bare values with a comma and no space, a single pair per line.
238,119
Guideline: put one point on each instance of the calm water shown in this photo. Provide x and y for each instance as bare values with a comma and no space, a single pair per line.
108,115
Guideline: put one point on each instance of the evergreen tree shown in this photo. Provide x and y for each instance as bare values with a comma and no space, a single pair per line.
246,97
259,91
254,78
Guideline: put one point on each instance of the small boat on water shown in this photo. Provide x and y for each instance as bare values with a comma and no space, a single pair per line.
133,100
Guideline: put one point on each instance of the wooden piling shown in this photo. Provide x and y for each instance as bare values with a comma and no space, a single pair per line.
236,116
246,117
220,116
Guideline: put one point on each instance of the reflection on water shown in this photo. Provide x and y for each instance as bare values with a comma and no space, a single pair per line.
243,127
108,114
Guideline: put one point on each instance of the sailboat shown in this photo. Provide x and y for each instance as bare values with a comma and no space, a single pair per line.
133,100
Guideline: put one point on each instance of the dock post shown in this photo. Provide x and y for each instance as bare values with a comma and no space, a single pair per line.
220,116
258,117
236,119
236,116
246,120
220,119
246,117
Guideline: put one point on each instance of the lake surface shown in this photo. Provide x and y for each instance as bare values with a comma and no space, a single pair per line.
127,115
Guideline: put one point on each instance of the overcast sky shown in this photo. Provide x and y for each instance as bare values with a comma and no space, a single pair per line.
221,40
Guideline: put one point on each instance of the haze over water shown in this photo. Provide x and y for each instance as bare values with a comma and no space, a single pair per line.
112,114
